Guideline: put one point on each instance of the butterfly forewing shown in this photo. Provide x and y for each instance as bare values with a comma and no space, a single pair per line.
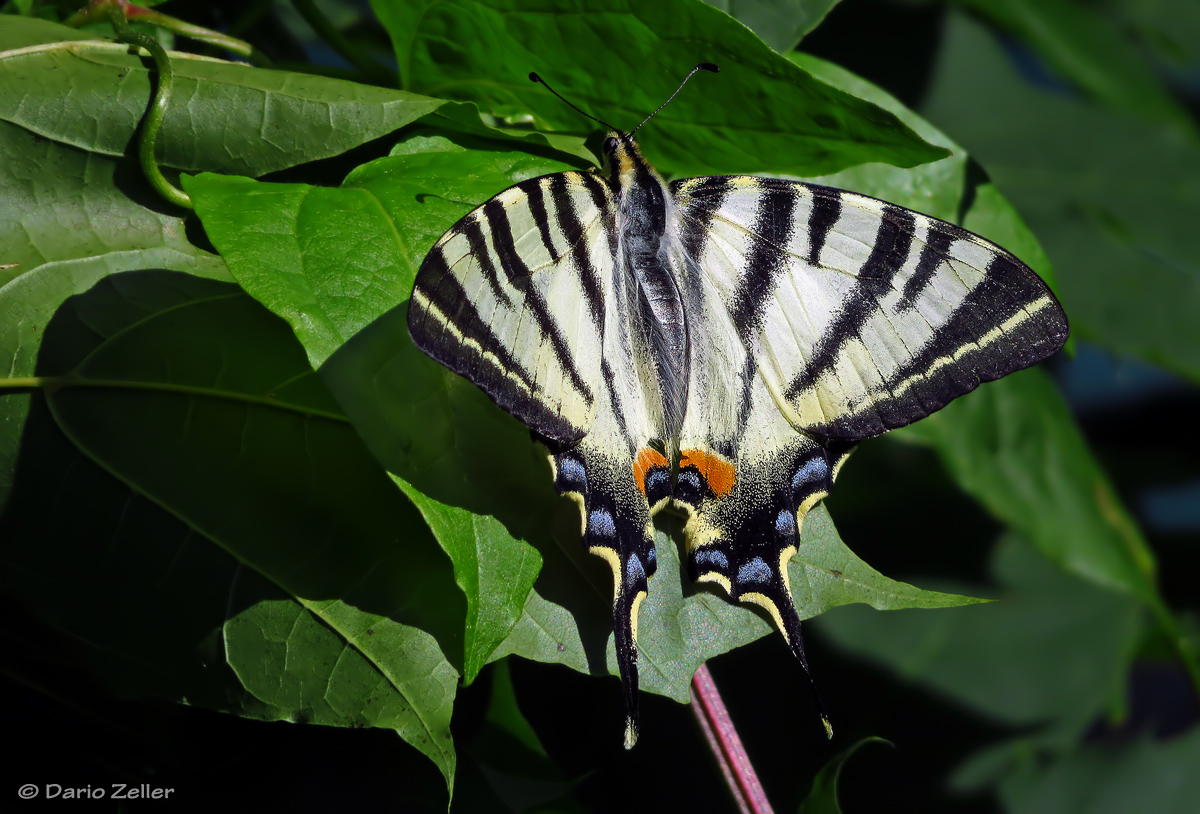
513,298
863,316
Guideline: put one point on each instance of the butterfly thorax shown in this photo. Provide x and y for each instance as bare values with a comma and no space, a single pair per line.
648,254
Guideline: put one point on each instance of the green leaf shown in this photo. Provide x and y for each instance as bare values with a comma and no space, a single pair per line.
24,32
512,757
27,304
780,23
330,261
225,117
935,188
1053,652
619,60
822,799
1014,446
545,632
207,406
1110,197
1087,47
678,633
1141,775
494,571
58,203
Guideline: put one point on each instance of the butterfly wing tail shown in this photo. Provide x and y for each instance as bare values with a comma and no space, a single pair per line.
744,526
616,528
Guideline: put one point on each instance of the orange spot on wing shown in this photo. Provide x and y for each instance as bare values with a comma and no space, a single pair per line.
646,460
716,471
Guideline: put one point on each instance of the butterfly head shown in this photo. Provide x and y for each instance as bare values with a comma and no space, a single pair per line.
623,161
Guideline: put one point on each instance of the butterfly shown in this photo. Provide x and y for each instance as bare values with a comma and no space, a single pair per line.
718,345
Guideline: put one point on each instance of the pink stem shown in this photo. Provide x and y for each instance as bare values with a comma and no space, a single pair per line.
726,746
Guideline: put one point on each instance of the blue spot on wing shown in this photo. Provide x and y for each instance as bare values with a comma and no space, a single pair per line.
600,523
712,557
785,523
634,572
814,470
754,571
570,471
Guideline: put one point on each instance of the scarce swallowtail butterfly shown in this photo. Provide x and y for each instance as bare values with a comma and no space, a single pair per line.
718,345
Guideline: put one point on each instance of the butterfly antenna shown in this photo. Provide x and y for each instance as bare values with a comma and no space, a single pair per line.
703,66
533,77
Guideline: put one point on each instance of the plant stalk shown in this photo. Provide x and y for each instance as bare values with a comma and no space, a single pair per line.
726,746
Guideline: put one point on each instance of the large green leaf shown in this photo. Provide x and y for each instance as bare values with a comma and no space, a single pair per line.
1054,651
226,116
142,594
203,402
1015,447
1112,198
329,261
678,633
620,59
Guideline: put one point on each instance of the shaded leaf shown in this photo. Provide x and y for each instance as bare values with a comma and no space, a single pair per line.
512,758
1142,775
1053,651
762,114
208,408
1087,47
1110,197
823,798
28,302
143,595
1014,446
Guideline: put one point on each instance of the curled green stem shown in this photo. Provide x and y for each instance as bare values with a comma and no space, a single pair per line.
153,119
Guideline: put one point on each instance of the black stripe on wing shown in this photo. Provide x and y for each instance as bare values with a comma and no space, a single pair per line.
485,358
1011,312
875,279
767,259
519,274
